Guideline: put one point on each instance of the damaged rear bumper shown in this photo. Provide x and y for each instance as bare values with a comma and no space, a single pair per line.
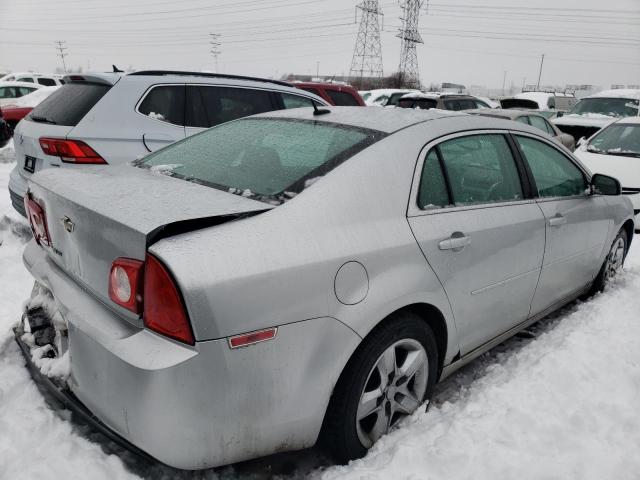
57,389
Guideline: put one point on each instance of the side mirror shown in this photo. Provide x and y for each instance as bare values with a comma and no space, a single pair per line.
581,142
605,185
559,114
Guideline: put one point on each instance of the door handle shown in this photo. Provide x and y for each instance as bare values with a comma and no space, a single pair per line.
557,220
454,243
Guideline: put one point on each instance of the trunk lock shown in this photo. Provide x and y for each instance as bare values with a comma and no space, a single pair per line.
69,226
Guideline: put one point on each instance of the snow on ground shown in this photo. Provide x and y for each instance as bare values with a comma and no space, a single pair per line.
561,405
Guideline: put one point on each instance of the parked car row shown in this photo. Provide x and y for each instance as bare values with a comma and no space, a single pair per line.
45,80
276,271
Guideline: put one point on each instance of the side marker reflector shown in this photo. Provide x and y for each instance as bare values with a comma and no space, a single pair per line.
252,338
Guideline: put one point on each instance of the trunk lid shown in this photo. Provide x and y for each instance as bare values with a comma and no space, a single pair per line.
95,215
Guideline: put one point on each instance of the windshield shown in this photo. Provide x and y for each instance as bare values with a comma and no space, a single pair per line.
267,159
612,107
617,139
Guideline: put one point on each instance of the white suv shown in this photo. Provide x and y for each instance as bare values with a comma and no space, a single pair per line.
37,78
115,118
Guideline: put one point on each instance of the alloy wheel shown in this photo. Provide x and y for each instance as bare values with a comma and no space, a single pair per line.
394,389
615,260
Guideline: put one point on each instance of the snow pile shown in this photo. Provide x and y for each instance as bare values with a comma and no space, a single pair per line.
7,154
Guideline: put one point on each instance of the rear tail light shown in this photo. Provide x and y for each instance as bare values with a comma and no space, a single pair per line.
148,288
252,338
164,310
37,220
70,151
125,283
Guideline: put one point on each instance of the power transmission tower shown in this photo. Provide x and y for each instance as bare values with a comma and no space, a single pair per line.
367,55
410,37
61,48
215,47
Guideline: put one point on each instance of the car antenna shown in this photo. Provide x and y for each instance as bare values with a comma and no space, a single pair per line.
319,111
116,69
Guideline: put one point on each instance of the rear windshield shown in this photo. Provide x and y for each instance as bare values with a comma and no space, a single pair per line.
69,104
267,159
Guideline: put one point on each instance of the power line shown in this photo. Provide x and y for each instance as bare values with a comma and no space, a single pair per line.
61,48
367,54
215,47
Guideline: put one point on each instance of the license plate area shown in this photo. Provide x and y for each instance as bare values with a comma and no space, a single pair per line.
30,163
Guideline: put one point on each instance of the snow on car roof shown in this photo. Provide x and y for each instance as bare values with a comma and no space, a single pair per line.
383,120
630,93
20,84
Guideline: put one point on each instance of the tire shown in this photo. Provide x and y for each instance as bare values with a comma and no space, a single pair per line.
613,263
411,341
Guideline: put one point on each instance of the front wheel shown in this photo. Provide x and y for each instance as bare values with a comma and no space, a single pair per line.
613,263
391,374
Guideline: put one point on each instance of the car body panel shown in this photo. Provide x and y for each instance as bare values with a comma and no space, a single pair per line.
120,219
150,390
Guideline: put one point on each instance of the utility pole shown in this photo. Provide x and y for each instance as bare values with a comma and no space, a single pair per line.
504,81
215,48
410,37
540,74
367,54
317,70
61,48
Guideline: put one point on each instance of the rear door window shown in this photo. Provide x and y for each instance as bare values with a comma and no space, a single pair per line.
433,187
223,104
165,103
481,169
7,92
342,98
69,104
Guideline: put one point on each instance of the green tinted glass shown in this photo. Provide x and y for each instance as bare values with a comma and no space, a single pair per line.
433,188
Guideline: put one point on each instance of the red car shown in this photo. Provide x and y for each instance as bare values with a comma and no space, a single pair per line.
334,93
5,131
12,115
21,107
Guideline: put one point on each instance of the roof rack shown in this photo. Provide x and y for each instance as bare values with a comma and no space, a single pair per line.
209,75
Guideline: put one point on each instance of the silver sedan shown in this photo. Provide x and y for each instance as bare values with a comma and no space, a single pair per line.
302,275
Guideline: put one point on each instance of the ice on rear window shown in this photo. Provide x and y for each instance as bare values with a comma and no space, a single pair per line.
267,159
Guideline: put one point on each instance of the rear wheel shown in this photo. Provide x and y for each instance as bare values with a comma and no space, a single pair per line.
613,263
389,377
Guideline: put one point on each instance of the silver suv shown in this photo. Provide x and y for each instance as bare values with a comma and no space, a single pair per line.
112,118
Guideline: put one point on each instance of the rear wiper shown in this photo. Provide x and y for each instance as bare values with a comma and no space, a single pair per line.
41,119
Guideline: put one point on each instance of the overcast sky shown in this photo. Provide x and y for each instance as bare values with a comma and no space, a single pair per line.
465,41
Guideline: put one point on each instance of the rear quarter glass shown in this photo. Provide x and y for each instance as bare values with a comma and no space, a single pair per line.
69,104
